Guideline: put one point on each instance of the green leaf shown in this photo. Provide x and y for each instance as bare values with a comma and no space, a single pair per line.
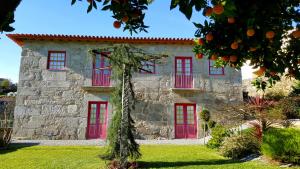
73,2
187,11
106,2
105,8
199,4
206,23
90,8
94,5
198,25
174,4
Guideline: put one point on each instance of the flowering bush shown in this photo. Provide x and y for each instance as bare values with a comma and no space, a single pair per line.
239,146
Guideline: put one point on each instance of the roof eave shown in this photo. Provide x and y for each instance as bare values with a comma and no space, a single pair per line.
20,38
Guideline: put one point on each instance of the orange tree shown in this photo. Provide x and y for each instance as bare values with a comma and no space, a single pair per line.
266,32
7,8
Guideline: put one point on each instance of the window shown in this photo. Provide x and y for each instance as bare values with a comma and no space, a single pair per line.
149,66
93,114
179,115
190,115
56,60
215,70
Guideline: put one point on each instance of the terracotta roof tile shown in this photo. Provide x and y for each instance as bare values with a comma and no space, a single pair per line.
21,38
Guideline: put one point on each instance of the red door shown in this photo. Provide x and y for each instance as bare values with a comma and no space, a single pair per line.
101,71
183,72
97,120
185,121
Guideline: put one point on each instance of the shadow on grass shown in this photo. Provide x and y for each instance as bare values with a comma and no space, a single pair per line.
16,146
161,164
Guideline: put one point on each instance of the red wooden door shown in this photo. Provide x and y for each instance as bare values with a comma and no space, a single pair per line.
185,121
183,72
101,71
97,120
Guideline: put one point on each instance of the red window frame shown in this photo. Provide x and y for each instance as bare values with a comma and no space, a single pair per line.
185,119
188,79
49,61
153,65
210,65
105,118
102,66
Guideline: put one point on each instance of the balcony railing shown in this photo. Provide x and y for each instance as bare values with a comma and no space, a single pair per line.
193,81
101,77
183,81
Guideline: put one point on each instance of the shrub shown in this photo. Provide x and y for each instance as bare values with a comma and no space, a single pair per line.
296,89
6,112
285,109
219,133
211,124
239,146
115,164
5,137
257,130
205,115
290,107
282,145
275,95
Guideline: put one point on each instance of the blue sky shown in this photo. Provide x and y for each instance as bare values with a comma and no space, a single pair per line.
59,17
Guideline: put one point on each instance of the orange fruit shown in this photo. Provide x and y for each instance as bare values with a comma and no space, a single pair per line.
209,37
250,32
199,56
296,34
218,9
117,24
263,69
125,19
201,42
231,20
213,57
234,45
252,49
270,34
225,58
208,11
233,58
260,71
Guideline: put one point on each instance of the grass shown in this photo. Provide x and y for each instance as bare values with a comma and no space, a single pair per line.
86,157
282,144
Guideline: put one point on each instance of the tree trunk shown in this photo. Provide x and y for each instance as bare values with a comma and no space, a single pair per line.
124,146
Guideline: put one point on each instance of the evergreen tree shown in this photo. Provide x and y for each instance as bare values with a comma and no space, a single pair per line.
124,60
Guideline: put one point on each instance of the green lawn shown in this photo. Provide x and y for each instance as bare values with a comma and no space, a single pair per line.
154,156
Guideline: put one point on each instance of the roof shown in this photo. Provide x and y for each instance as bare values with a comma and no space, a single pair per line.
21,38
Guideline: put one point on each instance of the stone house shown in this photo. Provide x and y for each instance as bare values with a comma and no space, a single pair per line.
63,93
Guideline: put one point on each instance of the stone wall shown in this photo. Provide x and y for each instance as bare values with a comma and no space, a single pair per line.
54,102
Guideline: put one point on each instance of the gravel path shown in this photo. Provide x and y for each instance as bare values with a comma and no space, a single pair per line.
98,142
